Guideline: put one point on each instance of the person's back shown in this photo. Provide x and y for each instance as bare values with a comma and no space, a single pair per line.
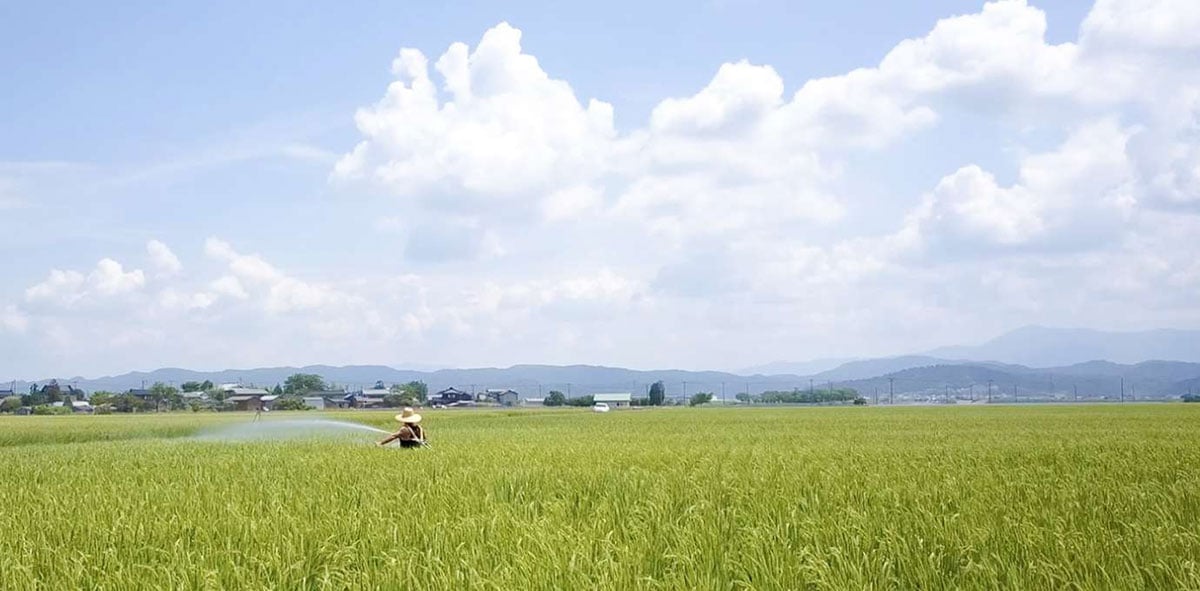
411,435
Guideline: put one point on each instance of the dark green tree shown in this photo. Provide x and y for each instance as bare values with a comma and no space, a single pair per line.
700,398
555,398
658,393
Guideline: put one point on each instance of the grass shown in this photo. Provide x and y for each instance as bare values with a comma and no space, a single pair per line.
1086,497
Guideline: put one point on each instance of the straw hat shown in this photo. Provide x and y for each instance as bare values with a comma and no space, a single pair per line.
408,416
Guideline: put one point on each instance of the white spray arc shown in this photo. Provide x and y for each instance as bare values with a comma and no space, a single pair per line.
287,429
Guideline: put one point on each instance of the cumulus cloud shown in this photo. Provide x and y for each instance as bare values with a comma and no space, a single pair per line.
1143,23
66,288
1076,195
163,259
506,128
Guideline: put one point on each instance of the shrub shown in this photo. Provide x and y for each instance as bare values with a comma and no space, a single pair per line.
10,404
291,403
46,409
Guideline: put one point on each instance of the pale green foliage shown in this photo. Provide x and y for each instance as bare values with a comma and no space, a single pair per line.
303,383
1090,497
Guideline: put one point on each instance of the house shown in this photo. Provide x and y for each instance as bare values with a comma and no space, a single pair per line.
139,393
6,393
451,396
367,397
323,399
244,398
617,400
504,396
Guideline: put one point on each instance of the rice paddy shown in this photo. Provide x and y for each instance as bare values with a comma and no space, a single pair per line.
1087,497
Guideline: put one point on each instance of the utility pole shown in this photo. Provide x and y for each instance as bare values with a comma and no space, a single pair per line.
810,389
568,389
1015,399
1133,392
876,395
891,391
722,392
989,391
972,392
1075,387
685,389
831,391
1122,388
947,392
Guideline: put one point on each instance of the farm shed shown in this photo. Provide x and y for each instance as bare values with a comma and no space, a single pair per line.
614,399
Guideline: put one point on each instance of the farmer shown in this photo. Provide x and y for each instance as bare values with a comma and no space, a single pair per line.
410,434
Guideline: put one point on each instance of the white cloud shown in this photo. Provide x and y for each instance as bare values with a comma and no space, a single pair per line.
12,320
107,285
1076,195
507,127
163,259
228,286
110,278
1143,23
61,285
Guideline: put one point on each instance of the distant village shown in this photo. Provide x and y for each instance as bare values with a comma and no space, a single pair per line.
299,392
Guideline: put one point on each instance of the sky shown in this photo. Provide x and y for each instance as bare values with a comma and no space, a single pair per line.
672,184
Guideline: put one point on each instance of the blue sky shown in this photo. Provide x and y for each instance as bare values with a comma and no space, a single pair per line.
744,223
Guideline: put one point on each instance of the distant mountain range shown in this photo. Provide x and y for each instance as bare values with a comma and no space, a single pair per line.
1039,346
1040,363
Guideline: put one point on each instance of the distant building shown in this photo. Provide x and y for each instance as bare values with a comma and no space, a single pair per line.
244,398
366,397
533,401
326,399
616,400
504,396
451,396
141,393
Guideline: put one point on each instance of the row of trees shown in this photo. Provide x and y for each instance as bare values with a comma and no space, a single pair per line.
657,397
798,396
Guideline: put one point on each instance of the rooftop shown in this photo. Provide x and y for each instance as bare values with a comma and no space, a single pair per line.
613,397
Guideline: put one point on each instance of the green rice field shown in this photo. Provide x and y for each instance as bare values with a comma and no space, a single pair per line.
980,497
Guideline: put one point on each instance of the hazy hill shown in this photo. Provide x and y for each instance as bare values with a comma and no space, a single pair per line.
797,368
868,368
1039,346
1152,379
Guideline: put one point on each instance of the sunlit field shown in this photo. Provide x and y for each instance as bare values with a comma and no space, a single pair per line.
1093,497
